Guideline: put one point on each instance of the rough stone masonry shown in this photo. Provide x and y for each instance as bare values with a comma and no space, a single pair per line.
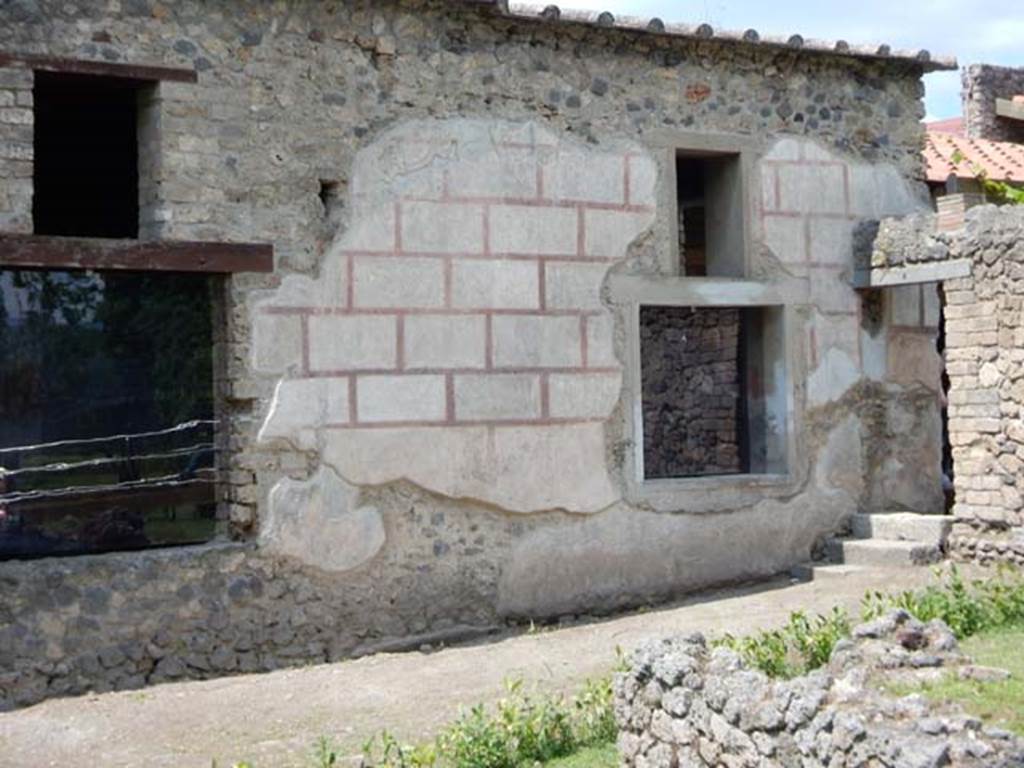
984,363
429,405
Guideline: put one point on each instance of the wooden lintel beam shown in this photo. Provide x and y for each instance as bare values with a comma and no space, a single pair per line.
47,252
142,72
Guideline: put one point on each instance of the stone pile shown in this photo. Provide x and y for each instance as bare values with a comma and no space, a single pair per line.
684,703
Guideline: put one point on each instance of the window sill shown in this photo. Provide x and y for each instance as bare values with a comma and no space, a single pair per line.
710,494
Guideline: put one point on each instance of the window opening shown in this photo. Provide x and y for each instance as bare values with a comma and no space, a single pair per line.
709,200
86,170
106,411
713,391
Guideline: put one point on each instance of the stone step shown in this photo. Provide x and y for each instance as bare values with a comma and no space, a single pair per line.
903,526
820,571
880,552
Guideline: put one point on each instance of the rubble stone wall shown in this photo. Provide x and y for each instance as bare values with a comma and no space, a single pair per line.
424,418
982,85
984,359
692,391
685,704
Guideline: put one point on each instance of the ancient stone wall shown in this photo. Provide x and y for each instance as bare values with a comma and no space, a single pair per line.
985,365
16,150
683,703
692,391
424,418
982,85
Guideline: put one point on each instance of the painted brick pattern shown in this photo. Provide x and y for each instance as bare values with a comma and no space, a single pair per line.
467,292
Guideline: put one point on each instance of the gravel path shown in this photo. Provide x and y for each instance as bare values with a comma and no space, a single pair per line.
273,719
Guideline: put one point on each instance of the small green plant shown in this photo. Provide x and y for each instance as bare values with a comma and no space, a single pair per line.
324,753
998,192
801,645
522,729
966,608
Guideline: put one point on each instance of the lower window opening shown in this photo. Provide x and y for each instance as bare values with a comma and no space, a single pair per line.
713,391
107,428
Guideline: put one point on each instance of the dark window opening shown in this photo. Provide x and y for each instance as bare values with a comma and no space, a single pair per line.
86,171
106,411
713,391
710,215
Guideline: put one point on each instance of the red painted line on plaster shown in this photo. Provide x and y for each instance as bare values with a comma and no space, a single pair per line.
304,333
448,283
529,202
449,398
814,347
584,342
540,182
489,341
428,371
539,422
432,311
400,342
807,240
353,400
486,216
545,396
494,256
581,234
778,190
542,283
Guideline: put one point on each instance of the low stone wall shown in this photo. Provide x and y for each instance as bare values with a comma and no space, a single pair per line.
683,704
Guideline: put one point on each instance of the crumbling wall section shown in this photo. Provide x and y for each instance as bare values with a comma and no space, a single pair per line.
982,85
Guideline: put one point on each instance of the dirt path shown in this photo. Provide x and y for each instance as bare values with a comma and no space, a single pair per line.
273,719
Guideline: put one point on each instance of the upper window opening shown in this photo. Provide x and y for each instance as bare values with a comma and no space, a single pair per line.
709,193
86,172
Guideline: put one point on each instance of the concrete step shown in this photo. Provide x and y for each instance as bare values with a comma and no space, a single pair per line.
881,552
821,571
903,526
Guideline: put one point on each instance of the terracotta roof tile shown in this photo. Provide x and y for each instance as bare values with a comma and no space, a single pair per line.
954,125
1000,160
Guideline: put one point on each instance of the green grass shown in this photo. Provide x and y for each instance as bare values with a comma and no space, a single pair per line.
1000,704
602,756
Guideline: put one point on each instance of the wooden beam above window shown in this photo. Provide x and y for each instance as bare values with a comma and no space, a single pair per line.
90,67
45,252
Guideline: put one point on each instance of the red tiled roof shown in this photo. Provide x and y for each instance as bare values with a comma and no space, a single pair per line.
954,125
1000,160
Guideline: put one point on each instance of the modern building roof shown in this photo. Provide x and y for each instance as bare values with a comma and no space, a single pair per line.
951,154
552,14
